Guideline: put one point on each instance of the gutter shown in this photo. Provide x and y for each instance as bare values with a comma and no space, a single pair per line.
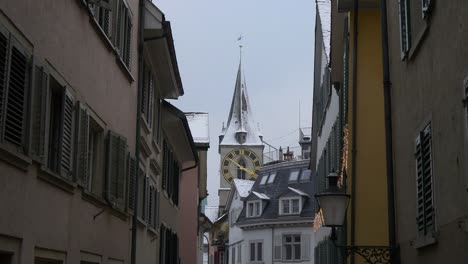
388,137
354,122
141,25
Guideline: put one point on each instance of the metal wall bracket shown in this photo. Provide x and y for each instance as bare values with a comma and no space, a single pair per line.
372,254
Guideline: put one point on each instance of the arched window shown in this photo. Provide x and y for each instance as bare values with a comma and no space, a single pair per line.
240,172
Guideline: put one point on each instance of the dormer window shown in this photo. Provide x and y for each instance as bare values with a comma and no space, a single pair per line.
290,206
254,209
294,175
241,136
268,178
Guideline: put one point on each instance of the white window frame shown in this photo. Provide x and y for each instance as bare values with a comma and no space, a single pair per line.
290,204
292,243
271,178
256,209
264,179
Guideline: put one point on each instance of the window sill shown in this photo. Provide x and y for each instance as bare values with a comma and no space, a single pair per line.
425,241
15,158
55,179
153,231
93,198
145,125
156,146
141,222
124,67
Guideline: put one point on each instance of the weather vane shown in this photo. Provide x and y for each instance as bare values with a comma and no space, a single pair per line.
239,39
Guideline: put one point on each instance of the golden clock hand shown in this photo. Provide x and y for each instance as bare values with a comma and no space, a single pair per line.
243,168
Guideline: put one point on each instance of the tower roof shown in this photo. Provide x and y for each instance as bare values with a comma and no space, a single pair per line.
240,119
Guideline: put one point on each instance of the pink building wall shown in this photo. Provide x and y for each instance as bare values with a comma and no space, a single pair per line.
188,223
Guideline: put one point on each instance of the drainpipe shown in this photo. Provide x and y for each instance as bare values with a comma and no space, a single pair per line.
388,136
354,122
137,137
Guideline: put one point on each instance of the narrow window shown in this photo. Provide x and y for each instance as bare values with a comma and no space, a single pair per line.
95,153
252,252
292,247
250,210
272,177
293,176
241,172
233,255
259,251
285,206
264,179
424,183
55,124
405,30
295,206
239,254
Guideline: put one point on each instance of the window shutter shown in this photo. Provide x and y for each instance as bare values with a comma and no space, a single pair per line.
3,71
316,255
38,113
116,157
16,95
144,92
131,181
81,171
150,207
150,99
323,253
424,184
305,246
156,203
128,39
405,34
278,245
67,135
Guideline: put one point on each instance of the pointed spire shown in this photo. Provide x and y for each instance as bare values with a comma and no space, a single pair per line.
241,127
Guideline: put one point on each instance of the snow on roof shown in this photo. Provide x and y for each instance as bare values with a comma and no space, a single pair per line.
240,116
199,126
212,213
298,192
324,12
261,195
243,187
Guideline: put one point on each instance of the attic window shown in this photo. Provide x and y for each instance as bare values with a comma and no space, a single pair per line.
290,206
305,176
264,179
272,177
294,175
254,209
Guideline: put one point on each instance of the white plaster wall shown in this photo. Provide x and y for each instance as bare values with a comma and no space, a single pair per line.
235,233
330,118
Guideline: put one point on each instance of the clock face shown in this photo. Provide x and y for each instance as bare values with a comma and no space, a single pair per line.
238,163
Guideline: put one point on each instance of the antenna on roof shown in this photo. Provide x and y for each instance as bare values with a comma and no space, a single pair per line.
239,39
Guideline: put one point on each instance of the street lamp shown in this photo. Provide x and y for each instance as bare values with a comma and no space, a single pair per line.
334,202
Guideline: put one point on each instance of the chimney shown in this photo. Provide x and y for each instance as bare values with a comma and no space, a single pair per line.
280,154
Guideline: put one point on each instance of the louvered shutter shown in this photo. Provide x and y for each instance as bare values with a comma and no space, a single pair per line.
38,113
323,253
16,95
116,173
332,252
66,157
405,37
424,184
150,207
150,99
128,39
278,247
305,246
165,166
144,92
3,75
156,203
131,176
81,171
316,255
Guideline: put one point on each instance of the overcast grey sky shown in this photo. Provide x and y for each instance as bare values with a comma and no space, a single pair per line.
278,40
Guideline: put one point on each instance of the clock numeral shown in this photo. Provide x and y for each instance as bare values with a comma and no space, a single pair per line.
241,152
225,168
226,163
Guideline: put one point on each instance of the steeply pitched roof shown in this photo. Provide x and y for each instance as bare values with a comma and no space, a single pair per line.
243,187
324,13
199,126
274,191
240,116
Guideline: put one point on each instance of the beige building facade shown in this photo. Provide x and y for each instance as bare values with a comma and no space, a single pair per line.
71,80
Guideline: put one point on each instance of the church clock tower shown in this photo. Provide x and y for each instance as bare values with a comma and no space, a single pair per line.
240,142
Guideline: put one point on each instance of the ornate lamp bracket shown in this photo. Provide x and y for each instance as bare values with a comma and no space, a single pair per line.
372,254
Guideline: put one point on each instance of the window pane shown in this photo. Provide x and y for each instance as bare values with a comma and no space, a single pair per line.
257,209
259,251
272,177
305,176
250,212
295,205
297,238
294,175
264,179
288,239
297,251
285,204
252,251
288,252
